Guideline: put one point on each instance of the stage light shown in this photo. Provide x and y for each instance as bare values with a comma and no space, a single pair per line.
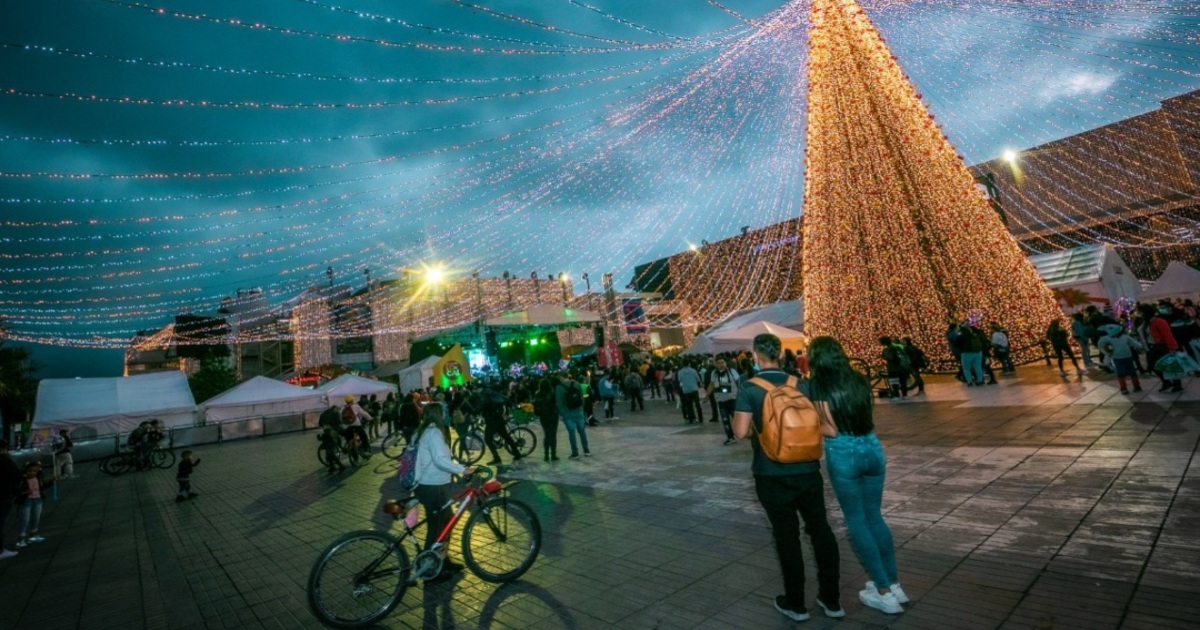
1010,156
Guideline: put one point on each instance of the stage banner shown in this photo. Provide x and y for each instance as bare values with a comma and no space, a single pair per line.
635,317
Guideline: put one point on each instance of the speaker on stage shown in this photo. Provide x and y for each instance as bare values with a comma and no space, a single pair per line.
490,345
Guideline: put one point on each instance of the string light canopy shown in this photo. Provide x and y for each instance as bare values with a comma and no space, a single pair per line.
897,239
148,172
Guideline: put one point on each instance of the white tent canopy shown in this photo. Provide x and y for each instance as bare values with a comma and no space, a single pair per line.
789,314
417,375
1096,270
262,397
114,405
1178,281
351,385
741,338
544,315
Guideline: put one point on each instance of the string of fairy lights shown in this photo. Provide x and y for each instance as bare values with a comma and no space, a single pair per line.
592,136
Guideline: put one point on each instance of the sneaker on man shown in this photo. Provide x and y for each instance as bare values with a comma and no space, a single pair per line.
1124,391
883,603
836,613
895,589
789,612
6,554
21,544
728,441
36,539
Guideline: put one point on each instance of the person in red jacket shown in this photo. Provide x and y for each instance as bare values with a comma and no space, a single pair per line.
1162,343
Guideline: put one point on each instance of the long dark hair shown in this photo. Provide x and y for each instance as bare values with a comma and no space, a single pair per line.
845,389
434,415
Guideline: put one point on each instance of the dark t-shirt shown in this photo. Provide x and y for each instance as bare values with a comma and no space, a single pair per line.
750,399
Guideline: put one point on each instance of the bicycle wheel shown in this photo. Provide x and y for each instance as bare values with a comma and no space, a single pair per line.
323,456
468,447
525,440
116,464
393,445
358,580
501,540
353,455
162,458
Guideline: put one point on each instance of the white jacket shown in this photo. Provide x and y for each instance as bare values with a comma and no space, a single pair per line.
435,465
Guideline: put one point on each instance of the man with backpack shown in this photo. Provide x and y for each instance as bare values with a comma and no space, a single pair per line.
723,387
784,426
633,387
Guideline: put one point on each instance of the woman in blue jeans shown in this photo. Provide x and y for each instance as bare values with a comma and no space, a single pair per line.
855,464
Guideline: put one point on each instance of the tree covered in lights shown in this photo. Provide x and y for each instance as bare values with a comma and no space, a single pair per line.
897,239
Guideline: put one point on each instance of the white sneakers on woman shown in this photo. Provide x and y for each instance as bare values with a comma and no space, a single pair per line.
887,602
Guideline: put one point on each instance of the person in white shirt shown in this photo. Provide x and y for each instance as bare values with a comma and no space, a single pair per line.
435,466
723,387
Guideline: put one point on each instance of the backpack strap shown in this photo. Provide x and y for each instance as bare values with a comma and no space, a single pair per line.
761,382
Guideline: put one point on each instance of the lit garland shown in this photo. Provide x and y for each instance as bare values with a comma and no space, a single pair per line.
897,241
668,167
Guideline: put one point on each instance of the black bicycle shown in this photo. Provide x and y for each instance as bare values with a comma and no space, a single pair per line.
130,460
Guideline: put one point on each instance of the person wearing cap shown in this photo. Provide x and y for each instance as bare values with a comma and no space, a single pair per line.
1120,346
352,417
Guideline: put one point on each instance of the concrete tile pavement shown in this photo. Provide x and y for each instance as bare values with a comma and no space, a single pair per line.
1045,512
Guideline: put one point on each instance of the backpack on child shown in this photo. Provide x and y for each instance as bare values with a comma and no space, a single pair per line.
791,424
348,415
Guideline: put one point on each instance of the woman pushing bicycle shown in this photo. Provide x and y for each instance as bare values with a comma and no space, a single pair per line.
434,490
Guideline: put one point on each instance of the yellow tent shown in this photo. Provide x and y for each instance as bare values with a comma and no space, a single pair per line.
452,369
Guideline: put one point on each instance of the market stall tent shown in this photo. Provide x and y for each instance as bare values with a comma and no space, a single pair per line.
743,338
351,385
417,375
262,397
114,405
1096,273
1178,281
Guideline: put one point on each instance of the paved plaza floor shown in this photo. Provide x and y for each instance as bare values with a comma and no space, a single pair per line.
1037,503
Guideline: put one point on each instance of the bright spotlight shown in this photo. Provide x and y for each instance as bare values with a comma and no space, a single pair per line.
1010,156
434,275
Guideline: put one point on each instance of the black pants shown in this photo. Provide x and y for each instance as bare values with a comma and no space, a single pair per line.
654,391
1059,351
589,408
636,401
1006,362
726,409
497,429
690,404
550,435
782,498
6,503
712,406
918,382
902,378
609,403
432,498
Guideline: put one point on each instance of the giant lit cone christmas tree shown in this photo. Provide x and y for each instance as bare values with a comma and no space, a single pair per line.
897,239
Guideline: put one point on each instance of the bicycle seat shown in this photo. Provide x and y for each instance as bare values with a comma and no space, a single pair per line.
396,507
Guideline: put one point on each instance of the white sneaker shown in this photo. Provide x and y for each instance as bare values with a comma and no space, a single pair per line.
895,589
6,554
883,603
21,544
829,612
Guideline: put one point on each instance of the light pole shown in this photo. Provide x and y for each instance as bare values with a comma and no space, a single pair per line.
537,287
329,274
562,279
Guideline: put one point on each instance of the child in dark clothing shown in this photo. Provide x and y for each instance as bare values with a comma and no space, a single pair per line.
186,465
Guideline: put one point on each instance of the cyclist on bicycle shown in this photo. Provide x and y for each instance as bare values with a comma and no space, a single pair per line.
490,403
352,417
137,441
434,468
330,422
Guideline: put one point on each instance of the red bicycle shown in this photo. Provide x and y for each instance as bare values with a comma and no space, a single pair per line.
362,576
